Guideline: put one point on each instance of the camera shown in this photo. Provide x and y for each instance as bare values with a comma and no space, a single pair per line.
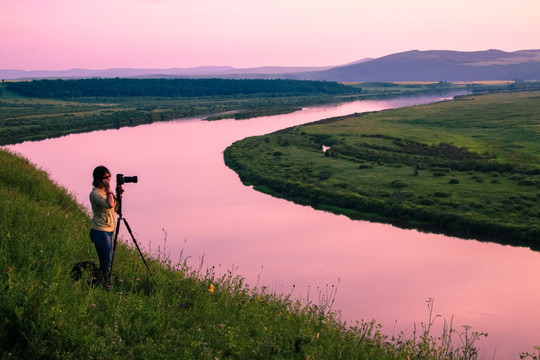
121,179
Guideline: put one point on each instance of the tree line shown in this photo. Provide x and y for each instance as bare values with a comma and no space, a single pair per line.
119,87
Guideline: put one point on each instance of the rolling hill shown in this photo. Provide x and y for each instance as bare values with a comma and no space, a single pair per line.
439,65
415,65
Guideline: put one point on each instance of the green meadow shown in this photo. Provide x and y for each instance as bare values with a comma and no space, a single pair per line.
469,167
43,109
52,108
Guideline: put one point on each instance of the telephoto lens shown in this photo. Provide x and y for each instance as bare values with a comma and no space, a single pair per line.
130,179
121,179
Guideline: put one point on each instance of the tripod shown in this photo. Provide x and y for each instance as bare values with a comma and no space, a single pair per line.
120,219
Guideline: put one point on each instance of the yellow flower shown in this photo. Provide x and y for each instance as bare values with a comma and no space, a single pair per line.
211,289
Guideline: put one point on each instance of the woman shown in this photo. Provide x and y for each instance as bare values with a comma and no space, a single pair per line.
104,219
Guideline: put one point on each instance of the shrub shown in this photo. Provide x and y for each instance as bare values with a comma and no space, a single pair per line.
398,184
527,182
325,175
477,178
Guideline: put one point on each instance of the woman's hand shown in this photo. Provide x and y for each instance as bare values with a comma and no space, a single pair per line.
107,184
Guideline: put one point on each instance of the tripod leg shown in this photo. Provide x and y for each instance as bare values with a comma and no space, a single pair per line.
137,245
114,244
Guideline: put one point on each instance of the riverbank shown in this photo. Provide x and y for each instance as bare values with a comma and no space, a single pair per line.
467,167
178,312
55,108
44,109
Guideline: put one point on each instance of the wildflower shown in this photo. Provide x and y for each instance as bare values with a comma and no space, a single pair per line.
211,289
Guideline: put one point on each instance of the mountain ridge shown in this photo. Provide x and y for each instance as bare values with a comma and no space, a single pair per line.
440,65
413,65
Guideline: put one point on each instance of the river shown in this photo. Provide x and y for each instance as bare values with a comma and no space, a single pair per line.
188,202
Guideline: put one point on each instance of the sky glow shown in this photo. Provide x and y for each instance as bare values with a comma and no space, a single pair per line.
100,34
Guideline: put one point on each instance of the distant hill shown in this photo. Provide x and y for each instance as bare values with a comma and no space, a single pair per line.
107,73
433,65
196,72
439,65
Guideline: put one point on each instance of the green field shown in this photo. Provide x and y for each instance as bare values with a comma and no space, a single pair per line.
41,109
469,167
26,119
57,108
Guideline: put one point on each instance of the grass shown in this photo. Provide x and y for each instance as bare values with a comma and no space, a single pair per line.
402,88
28,119
176,313
24,119
469,167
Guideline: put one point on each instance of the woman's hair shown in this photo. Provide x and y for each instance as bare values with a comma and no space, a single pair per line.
98,174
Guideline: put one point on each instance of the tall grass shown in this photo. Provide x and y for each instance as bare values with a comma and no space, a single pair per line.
179,312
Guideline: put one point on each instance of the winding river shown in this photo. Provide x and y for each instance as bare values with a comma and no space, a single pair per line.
188,202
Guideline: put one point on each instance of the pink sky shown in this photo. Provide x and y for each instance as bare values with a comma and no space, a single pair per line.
99,34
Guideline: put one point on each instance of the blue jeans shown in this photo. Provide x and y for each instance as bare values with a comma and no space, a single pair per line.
103,242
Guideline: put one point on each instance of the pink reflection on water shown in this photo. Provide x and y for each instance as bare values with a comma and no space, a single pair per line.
383,272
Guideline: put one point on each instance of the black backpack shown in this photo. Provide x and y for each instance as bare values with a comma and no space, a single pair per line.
89,268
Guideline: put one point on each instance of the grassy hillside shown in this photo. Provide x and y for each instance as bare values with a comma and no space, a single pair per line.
470,167
176,313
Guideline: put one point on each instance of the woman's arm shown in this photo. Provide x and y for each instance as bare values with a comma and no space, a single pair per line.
110,196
